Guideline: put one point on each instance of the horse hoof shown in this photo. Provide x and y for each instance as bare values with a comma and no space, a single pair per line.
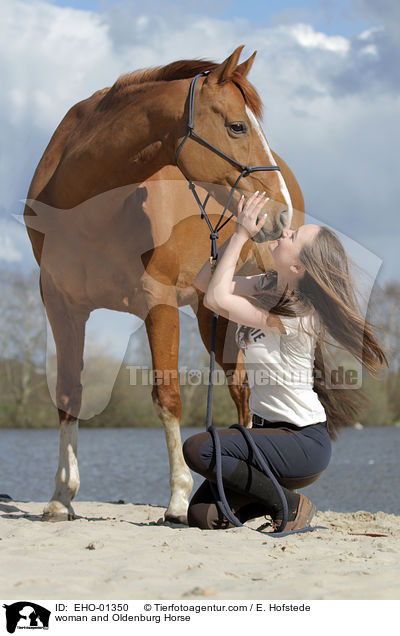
182,519
57,512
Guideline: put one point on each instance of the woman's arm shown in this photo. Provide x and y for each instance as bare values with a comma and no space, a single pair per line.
220,299
204,276
241,285
219,296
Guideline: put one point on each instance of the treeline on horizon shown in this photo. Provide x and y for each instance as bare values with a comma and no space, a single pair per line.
25,400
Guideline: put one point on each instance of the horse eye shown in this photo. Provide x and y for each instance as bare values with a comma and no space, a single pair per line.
238,128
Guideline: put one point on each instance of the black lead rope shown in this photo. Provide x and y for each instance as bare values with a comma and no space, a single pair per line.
218,489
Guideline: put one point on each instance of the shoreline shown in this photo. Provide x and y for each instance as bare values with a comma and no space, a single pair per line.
126,551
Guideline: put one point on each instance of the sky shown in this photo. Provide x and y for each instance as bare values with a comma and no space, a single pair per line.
328,73
334,16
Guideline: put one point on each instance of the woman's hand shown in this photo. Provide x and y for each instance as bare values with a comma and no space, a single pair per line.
247,225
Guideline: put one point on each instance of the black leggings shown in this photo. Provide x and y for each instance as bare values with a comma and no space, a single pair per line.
296,456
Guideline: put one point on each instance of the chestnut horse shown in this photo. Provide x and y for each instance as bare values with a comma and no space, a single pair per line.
113,225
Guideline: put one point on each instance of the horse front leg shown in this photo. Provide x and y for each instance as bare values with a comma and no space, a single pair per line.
68,326
162,324
67,479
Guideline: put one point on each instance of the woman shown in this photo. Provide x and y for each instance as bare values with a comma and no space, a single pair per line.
282,331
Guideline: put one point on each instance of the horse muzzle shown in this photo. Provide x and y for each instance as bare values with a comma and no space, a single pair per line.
272,229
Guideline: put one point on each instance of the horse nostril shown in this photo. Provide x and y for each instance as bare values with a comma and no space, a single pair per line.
284,218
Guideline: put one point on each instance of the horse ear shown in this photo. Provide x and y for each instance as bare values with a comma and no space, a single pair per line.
224,71
244,68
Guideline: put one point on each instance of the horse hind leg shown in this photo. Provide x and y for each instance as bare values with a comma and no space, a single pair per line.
228,356
68,328
162,324
231,360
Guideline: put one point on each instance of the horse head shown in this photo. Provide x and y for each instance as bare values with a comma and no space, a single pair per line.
226,111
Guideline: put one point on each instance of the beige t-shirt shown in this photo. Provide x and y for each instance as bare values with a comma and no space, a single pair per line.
280,372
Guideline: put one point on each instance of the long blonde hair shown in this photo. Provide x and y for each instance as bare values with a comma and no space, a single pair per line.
328,288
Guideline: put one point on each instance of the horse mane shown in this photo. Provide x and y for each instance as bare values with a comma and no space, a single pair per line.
181,69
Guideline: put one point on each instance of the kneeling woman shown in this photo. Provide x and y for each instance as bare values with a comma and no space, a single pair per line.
282,330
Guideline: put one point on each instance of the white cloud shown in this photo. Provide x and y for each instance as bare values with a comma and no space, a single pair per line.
14,244
365,35
8,251
309,38
50,53
370,49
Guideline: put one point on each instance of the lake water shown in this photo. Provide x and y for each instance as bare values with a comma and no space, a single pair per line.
132,464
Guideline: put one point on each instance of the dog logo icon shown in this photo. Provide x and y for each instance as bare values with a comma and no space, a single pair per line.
26,615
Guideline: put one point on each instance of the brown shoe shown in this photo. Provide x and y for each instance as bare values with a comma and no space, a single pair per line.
305,512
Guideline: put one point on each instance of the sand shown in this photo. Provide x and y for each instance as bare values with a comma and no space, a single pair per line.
125,551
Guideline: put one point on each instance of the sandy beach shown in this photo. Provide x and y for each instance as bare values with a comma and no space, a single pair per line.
125,551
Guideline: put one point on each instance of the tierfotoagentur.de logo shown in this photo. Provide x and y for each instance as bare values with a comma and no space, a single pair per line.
26,615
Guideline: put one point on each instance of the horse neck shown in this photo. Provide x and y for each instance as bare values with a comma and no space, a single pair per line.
124,143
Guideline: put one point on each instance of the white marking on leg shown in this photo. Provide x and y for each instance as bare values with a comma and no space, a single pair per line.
180,479
283,186
67,476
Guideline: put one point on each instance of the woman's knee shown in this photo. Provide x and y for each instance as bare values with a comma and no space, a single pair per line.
192,452
293,483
